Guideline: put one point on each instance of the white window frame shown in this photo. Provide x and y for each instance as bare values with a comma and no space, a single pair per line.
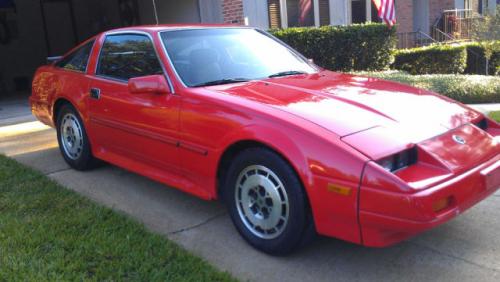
284,13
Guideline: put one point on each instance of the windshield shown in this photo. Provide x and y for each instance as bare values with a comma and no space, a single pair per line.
224,55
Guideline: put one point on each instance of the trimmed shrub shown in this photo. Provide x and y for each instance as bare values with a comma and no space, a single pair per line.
476,58
344,48
434,59
470,89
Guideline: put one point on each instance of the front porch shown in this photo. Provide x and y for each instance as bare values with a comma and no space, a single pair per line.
442,21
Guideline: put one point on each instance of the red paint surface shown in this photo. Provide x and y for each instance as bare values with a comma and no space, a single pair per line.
329,126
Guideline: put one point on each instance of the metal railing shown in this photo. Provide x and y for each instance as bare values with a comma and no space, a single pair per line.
441,36
414,39
457,23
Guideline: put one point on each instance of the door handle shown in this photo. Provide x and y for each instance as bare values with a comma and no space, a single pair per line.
95,93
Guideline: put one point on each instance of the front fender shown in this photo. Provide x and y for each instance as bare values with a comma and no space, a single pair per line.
273,138
320,165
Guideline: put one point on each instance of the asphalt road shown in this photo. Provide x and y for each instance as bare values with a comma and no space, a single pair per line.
464,249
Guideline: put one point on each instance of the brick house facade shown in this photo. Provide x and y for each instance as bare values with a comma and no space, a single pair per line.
404,15
412,15
232,11
37,29
437,7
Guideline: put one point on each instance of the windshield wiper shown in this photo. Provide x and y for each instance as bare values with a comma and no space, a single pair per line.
222,81
285,73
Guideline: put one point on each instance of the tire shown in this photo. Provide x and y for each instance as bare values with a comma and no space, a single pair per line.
266,202
73,140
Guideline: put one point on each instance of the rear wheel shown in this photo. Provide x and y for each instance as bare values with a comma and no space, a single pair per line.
266,201
72,138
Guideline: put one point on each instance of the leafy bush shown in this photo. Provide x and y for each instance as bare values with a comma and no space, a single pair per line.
434,59
346,48
470,89
477,54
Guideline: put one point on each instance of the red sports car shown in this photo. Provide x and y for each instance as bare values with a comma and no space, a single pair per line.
232,113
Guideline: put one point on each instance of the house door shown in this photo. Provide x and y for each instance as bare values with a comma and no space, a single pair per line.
421,16
59,26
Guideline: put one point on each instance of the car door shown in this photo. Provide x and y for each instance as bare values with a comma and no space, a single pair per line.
139,127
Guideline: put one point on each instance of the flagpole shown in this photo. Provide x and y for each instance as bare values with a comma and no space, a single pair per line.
156,12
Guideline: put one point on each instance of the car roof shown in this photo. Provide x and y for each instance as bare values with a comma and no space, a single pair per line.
166,27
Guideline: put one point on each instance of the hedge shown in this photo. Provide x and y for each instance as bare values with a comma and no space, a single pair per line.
345,48
449,59
434,59
476,58
470,89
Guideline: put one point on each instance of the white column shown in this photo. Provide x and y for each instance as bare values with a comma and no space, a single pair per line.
368,10
284,15
316,12
339,12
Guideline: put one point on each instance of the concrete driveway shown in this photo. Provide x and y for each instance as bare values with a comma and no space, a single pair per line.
465,249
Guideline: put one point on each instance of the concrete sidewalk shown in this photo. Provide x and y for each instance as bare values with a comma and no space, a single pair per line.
486,108
465,249
14,112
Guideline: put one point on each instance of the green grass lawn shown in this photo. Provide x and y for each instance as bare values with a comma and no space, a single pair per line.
495,115
469,89
49,233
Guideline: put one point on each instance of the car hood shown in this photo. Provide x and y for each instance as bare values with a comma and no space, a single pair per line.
346,104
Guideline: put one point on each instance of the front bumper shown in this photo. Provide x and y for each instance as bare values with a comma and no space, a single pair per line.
391,222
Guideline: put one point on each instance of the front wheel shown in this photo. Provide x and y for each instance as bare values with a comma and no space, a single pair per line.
266,201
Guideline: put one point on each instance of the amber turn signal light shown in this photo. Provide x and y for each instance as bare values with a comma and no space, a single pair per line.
342,190
442,204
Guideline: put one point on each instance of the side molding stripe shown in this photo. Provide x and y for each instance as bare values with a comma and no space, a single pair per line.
133,130
149,134
193,148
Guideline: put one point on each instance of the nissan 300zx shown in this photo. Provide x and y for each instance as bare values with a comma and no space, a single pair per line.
293,150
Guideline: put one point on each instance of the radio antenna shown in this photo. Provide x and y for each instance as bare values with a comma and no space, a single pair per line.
156,12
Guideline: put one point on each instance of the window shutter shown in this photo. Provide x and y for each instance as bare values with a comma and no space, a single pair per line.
273,6
324,12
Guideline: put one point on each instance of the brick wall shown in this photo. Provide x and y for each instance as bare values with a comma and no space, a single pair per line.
436,8
404,12
232,11
404,15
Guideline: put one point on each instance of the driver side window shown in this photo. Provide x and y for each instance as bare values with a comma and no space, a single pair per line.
125,56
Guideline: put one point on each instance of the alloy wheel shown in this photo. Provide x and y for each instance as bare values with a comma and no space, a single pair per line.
262,202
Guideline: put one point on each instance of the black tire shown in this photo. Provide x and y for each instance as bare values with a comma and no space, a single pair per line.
82,159
289,235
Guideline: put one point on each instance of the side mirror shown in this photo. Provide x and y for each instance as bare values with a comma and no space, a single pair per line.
151,84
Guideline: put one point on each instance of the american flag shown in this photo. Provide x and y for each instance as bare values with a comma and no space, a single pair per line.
305,7
386,11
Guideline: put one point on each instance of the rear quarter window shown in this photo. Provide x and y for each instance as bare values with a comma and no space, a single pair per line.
78,59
